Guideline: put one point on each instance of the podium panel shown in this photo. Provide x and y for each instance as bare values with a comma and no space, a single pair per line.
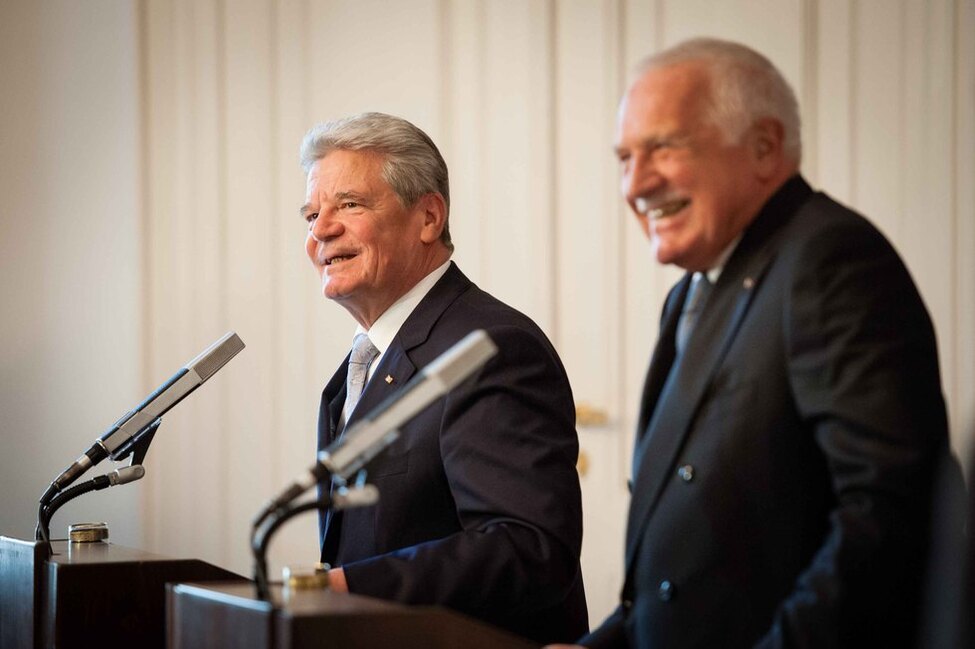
198,614
79,591
20,597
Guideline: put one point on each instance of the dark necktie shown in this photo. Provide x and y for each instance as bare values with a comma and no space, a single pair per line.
690,313
696,296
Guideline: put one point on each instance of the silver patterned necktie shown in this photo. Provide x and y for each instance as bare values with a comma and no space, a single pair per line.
696,296
363,354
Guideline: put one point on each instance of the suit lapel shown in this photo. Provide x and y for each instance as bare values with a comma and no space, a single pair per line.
396,363
684,390
663,355
667,418
330,408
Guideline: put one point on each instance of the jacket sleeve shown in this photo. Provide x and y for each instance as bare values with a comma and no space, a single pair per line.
864,372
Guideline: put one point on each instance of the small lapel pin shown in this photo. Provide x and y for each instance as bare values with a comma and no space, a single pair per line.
389,379
748,283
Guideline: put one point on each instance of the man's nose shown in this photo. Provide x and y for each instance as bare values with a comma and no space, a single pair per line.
642,178
325,227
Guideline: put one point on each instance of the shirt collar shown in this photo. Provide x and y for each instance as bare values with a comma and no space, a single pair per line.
385,328
714,272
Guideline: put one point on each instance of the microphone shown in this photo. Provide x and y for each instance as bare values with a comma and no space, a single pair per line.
120,476
363,496
118,441
125,475
370,435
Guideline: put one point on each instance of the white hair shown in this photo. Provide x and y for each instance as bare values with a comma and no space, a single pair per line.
745,87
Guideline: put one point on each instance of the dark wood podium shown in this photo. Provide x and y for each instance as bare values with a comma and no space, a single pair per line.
75,593
230,615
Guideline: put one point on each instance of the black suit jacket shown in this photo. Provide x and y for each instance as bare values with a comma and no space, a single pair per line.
786,461
480,508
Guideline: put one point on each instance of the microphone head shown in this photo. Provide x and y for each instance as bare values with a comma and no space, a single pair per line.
216,355
379,428
364,496
127,474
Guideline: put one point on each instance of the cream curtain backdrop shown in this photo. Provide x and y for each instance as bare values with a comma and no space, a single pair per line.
521,97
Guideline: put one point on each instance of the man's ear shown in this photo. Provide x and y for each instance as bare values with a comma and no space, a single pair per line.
434,211
766,141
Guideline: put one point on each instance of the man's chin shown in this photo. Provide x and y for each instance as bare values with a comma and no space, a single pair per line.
335,297
668,252
665,254
333,291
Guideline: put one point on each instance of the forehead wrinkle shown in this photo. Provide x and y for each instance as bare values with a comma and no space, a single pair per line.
345,173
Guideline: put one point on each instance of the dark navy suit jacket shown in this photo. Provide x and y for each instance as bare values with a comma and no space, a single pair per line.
786,462
480,508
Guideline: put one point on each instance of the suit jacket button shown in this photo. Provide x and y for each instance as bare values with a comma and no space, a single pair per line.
627,604
666,591
686,473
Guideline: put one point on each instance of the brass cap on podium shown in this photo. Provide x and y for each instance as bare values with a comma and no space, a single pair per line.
87,532
313,577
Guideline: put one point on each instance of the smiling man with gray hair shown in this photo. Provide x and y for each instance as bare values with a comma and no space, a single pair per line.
792,416
479,507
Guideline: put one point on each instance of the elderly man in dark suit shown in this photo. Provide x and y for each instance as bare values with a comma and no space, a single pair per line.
480,508
792,416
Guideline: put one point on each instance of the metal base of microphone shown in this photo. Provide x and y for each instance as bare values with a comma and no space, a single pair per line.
87,532
362,495
261,538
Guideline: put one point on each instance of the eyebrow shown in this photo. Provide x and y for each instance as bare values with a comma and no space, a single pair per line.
676,137
341,196
304,209
643,143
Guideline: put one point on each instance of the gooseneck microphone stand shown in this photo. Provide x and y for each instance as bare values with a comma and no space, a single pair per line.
267,523
50,502
261,538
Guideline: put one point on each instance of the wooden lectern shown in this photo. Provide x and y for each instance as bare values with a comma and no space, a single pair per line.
72,594
231,615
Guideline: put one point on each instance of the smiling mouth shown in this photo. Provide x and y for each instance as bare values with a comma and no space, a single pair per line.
338,259
663,210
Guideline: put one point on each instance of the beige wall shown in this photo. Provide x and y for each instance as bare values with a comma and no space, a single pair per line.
71,356
520,95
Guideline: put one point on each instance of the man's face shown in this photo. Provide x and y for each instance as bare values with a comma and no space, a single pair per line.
692,191
366,247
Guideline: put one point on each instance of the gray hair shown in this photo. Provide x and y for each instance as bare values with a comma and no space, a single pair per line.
412,164
745,87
